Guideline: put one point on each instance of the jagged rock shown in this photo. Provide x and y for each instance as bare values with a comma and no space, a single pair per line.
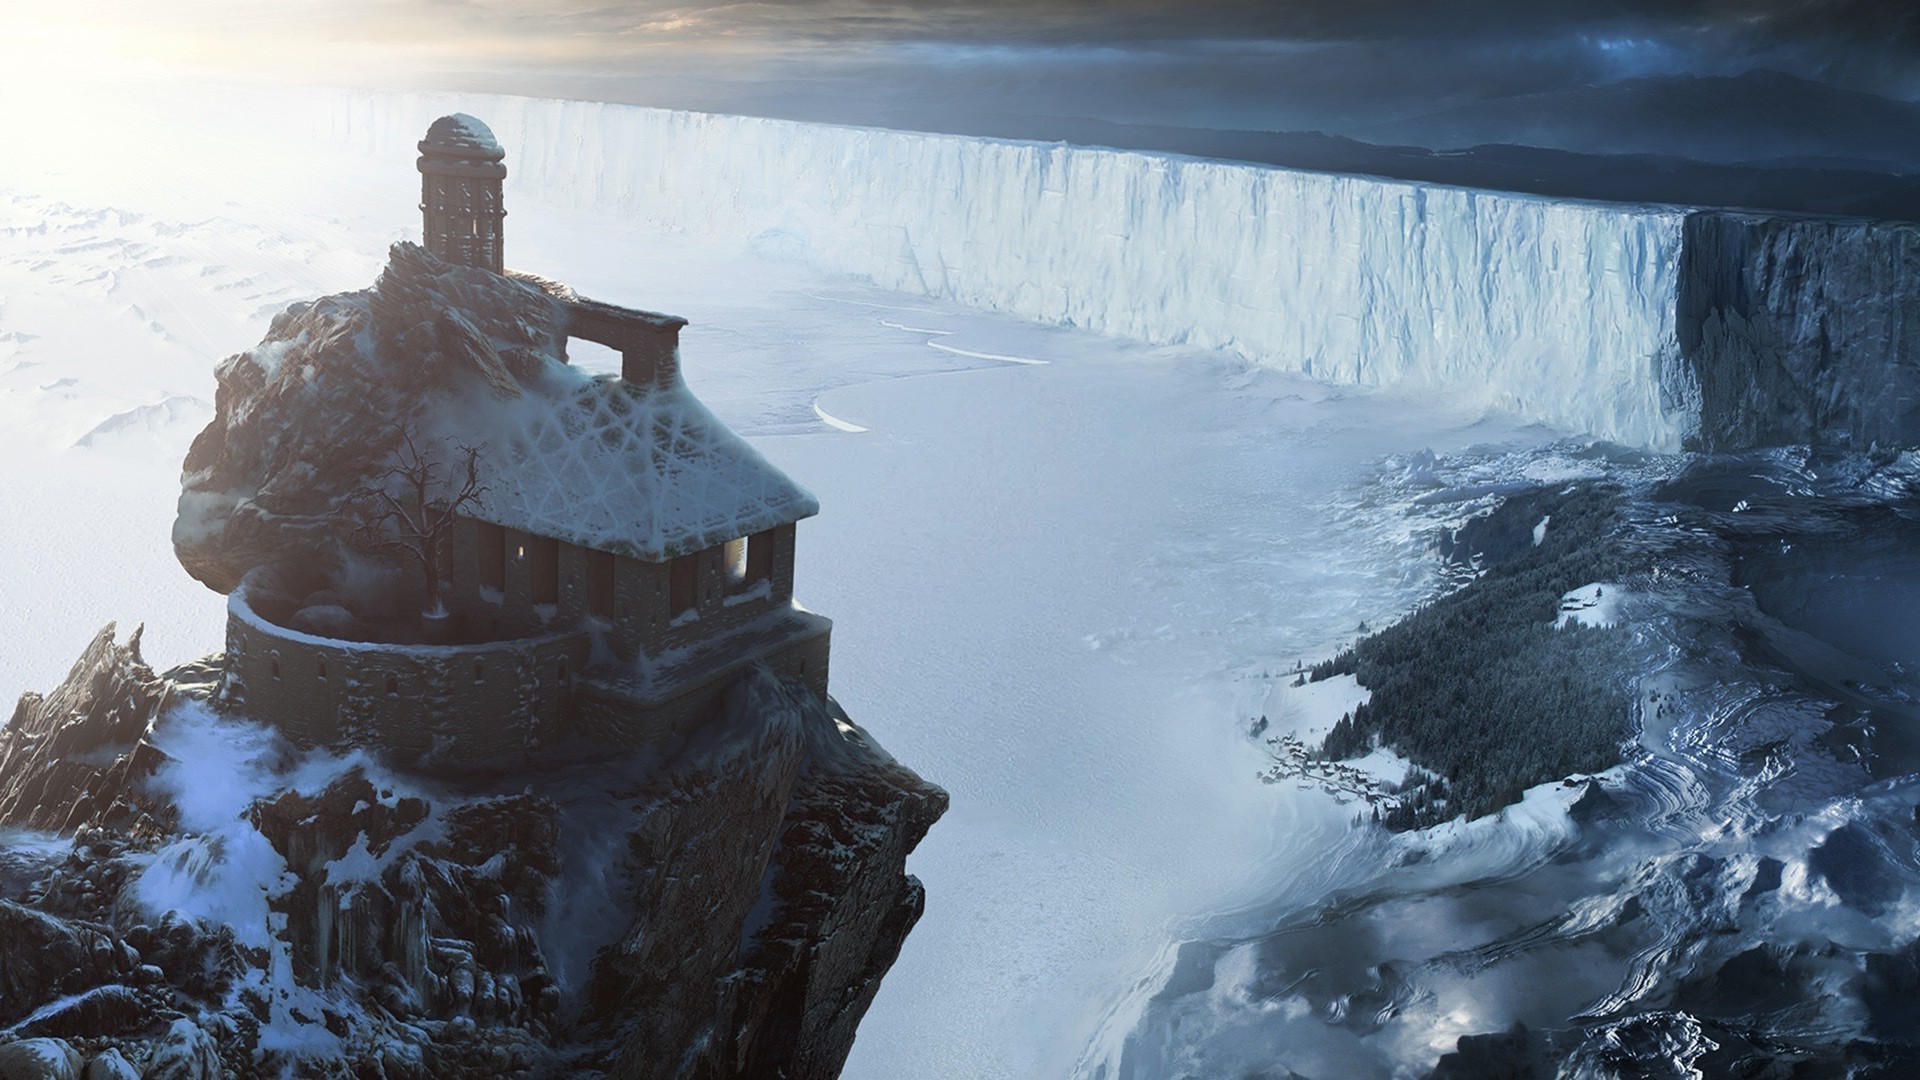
1514,1055
39,1059
186,1052
843,905
305,416
104,1010
110,1064
445,930
42,957
725,974
73,757
755,896
202,961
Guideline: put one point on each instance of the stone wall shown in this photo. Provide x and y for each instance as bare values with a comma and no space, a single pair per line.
608,713
467,701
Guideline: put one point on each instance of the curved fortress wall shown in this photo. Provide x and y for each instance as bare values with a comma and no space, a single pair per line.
486,700
1586,316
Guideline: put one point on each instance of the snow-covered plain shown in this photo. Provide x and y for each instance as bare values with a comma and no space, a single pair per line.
1065,568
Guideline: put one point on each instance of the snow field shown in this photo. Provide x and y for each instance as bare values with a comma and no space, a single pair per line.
1054,584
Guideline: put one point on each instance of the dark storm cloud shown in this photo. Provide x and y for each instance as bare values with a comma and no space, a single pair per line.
1140,21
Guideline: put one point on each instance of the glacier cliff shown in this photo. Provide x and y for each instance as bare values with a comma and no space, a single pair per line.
1585,316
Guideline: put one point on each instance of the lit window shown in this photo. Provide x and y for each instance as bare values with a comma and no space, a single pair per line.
734,558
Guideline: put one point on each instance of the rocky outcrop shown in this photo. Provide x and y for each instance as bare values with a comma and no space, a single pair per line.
74,757
305,417
808,909
726,912
1801,330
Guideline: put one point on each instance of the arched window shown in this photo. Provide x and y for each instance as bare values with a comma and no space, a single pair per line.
393,684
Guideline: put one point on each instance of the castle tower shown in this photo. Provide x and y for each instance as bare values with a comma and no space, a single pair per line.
461,167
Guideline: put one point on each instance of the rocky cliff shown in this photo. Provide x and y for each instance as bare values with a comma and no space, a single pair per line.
197,899
186,894
1801,330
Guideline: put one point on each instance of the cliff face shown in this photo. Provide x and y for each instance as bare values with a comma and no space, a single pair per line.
1801,331
219,901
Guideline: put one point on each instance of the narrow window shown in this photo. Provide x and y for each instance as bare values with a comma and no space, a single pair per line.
542,554
393,684
323,669
275,662
563,669
760,557
479,671
600,583
734,558
683,585
490,551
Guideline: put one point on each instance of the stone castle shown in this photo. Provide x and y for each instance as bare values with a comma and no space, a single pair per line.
631,559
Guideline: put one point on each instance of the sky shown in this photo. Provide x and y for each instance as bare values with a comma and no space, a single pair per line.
1439,74
1857,41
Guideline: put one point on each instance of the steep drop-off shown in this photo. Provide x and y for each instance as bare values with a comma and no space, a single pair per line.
217,900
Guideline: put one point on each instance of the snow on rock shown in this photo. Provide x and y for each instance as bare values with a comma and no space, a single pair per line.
186,1052
317,409
458,357
110,1064
76,756
39,1059
282,908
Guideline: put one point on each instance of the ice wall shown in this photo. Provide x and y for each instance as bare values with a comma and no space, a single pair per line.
1587,316
1560,311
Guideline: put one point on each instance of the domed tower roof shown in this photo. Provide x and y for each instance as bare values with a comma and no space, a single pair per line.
461,167
461,143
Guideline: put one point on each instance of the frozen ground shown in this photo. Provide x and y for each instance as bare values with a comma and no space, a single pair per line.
1064,568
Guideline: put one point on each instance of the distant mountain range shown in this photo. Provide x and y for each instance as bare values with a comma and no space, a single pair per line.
1762,140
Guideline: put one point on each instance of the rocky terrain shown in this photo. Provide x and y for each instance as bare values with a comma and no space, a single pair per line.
727,912
186,895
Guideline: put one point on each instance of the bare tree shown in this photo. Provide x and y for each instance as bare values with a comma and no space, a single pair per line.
408,509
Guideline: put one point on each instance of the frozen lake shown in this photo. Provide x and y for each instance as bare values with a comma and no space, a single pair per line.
1061,565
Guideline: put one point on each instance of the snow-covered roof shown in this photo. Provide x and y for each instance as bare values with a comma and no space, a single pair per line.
463,134
644,471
